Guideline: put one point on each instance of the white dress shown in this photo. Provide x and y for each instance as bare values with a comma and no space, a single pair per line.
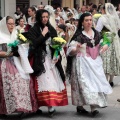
51,79
88,82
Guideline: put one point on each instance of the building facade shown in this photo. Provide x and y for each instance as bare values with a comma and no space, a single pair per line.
8,7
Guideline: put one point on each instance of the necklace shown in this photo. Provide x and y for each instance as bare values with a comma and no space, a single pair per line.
92,41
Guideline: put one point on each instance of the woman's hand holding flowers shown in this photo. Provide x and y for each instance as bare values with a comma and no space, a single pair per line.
15,51
103,48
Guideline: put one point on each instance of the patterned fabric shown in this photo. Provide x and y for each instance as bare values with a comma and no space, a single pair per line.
16,90
51,98
110,62
80,92
16,94
49,87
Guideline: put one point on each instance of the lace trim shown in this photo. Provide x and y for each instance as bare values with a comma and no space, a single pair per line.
16,90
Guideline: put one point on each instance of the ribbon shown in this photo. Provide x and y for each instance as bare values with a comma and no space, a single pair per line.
57,50
106,40
14,44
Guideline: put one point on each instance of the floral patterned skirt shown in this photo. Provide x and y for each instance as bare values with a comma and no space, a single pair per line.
16,94
88,82
110,62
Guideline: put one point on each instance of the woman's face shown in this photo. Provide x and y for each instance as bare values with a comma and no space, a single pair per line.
58,9
61,21
102,11
45,18
87,23
10,25
21,23
18,9
76,23
30,12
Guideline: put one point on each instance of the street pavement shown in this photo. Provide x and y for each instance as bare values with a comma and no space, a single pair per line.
112,112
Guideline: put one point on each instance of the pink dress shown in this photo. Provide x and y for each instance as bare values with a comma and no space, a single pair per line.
16,93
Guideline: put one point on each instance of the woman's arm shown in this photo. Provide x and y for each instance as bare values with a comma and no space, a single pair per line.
4,54
74,48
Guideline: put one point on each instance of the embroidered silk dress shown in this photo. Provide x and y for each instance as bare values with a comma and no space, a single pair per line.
88,82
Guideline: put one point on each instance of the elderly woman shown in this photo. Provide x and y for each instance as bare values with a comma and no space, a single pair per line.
88,82
49,80
16,91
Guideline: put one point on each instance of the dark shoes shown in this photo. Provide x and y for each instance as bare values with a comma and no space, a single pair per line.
83,111
23,115
118,100
94,113
111,84
52,113
39,111
3,116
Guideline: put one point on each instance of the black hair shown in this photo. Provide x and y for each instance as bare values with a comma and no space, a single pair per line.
94,6
33,9
63,27
102,7
39,16
81,19
62,18
67,21
118,6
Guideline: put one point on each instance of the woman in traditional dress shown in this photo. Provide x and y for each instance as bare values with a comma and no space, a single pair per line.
109,22
84,68
31,19
18,14
49,80
16,88
21,27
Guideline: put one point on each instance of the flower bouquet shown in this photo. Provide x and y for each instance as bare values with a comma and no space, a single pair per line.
107,38
22,45
21,39
57,44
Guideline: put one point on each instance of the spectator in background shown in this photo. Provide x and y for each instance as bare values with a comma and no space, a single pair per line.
40,7
59,9
21,26
69,15
18,14
83,10
62,21
76,22
32,14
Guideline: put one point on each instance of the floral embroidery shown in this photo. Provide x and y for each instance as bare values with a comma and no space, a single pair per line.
16,90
